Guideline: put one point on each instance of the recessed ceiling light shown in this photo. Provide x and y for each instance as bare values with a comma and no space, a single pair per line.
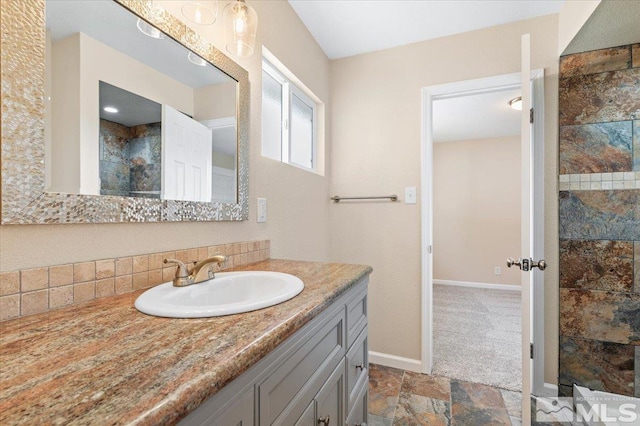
149,30
195,59
516,103
111,109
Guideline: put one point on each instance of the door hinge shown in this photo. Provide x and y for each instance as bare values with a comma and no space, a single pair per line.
430,249
531,115
531,350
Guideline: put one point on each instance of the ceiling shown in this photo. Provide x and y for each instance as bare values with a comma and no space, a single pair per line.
351,27
481,116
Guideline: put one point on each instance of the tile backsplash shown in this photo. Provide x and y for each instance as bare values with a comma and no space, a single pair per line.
32,291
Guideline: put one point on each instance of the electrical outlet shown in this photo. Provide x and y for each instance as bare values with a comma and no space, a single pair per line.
410,195
497,270
262,210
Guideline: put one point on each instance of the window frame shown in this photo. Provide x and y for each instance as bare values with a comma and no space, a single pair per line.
290,89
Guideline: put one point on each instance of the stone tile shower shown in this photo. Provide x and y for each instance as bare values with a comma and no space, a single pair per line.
130,159
599,219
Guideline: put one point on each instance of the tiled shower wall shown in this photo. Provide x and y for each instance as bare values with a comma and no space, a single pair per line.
599,201
36,290
130,160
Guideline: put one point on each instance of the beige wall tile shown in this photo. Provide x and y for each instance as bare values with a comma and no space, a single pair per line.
34,279
168,274
155,261
105,268
105,287
83,272
60,296
9,307
140,280
124,266
84,291
268,243
60,275
123,284
155,277
263,244
34,302
9,283
182,255
203,253
193,255
140,263
244,259
219,249
244,246
237,247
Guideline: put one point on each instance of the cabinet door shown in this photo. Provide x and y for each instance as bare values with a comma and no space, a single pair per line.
308,418
238,413
330,401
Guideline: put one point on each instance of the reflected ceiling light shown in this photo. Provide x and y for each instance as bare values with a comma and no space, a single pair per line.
149,30
110,109
516,103
199,13
195,59
240,25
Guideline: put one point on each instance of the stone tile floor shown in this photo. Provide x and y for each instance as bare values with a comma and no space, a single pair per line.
404,398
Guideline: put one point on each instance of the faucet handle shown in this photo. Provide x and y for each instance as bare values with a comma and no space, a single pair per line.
182,271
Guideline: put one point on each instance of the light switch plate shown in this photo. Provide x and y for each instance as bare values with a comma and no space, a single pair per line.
262,210
410,195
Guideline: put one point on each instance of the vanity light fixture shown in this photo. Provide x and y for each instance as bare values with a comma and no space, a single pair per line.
197,60
240,25
198,12
111,109
516,103
149,30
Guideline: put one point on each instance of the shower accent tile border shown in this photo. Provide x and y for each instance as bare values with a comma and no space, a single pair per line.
599,181
36,290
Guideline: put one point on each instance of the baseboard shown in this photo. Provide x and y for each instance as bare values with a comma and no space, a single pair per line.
509,287
395,361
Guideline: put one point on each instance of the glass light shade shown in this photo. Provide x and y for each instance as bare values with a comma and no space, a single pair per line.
196,60
240,25
200,13
516,103
149,30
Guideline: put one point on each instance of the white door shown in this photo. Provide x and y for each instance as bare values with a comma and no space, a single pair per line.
186,157
532,227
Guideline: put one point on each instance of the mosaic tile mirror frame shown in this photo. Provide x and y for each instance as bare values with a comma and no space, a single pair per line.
22,160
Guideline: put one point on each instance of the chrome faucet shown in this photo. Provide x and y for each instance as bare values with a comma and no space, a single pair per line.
198,274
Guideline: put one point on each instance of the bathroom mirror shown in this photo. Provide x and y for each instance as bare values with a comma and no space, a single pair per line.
119,113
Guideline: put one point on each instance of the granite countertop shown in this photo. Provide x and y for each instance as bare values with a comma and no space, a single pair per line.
104,362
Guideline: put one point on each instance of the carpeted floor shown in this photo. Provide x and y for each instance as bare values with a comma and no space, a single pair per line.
476,334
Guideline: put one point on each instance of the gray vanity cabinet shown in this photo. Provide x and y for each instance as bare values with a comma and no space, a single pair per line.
317,377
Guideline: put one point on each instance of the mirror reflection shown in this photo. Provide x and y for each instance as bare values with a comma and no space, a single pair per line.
133,113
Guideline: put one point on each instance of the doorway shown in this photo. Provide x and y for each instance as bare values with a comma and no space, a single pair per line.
456,90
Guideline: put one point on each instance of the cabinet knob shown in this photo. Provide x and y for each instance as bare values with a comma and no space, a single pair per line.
324,421
361,424
360,367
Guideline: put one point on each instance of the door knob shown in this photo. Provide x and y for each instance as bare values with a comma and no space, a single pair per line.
527,264
324,421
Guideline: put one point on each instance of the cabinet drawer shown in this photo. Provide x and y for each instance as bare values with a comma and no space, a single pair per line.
357,367
294,383
308,418
356,308
358,416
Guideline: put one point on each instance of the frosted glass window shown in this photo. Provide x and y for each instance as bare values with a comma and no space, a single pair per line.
271,117
301,135
288,119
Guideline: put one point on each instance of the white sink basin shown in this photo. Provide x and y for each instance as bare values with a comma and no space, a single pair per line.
228,293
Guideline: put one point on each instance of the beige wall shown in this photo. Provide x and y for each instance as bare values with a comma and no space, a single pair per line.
572,16
376,123
215,101
298,216
476,209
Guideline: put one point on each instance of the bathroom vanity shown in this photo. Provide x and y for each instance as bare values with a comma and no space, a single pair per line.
302,362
